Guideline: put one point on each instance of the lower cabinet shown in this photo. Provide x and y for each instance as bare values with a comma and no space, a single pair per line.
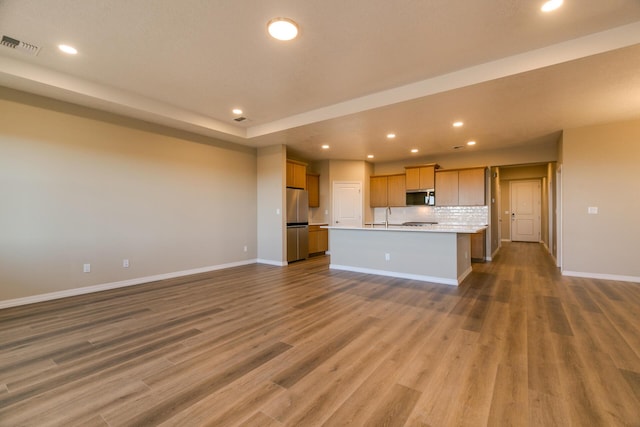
478,247
318,239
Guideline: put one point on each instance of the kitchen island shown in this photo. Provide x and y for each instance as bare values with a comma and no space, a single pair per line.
437,253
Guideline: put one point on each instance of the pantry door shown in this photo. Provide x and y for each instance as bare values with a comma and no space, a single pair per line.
525,211
347,204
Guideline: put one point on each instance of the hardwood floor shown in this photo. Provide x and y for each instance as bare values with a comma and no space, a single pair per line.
515,345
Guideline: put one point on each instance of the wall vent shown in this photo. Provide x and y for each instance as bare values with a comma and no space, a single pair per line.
28,48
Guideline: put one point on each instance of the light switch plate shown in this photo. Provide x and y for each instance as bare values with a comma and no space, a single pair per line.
592,210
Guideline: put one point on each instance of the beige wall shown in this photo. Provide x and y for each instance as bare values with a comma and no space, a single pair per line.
79,186
600,169
271,183
494,230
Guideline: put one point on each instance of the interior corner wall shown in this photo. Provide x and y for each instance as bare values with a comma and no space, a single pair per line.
495,200
271,183
79,186
320,215
552,209
600,170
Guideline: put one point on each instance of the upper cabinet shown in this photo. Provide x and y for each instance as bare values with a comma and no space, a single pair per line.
447,188
396,190
471,183
296,174
420,177
463,187
387,190
313,187
378,191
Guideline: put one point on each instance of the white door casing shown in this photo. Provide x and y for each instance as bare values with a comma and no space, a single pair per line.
525,211
347,204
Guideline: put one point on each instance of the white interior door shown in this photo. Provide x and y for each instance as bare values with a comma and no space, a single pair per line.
347,204
525,211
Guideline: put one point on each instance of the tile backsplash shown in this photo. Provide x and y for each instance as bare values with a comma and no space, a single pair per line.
466,215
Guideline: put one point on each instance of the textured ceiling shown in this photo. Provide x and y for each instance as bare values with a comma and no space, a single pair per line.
359,69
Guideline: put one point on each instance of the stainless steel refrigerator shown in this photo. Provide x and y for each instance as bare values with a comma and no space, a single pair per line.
297,224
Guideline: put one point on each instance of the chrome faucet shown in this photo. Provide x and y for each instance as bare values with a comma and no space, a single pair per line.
387,212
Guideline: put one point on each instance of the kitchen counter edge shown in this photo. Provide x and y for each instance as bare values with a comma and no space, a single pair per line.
436,228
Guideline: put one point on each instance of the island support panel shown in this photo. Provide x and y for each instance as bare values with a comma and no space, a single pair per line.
431,257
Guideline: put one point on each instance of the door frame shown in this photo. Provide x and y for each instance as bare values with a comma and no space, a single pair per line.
538,208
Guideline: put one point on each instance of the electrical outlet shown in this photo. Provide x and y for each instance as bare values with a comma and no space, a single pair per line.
86,268
245,249
125,263
387,257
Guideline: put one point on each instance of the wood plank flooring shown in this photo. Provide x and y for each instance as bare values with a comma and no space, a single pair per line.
516,344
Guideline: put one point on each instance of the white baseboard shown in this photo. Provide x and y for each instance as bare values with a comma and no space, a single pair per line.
419,277
464,275
114,285
271,262
615,277
493,255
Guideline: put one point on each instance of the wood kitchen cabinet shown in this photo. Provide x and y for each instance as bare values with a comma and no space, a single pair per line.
478,247
296,174
318,239
420,177
447,188
313,187
471,183
396,190
378,191
387,190
462,187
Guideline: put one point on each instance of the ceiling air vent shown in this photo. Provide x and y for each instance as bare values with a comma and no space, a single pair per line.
28,48
240,119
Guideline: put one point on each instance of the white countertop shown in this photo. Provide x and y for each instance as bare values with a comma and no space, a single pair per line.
431,228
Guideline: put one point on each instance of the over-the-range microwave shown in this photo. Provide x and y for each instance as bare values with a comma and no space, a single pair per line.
421,198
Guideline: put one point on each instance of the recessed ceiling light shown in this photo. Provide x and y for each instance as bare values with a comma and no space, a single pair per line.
325,147
236,111
471,143
282,29
391,135
370,156
457,124
551,5
68,49
415,150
